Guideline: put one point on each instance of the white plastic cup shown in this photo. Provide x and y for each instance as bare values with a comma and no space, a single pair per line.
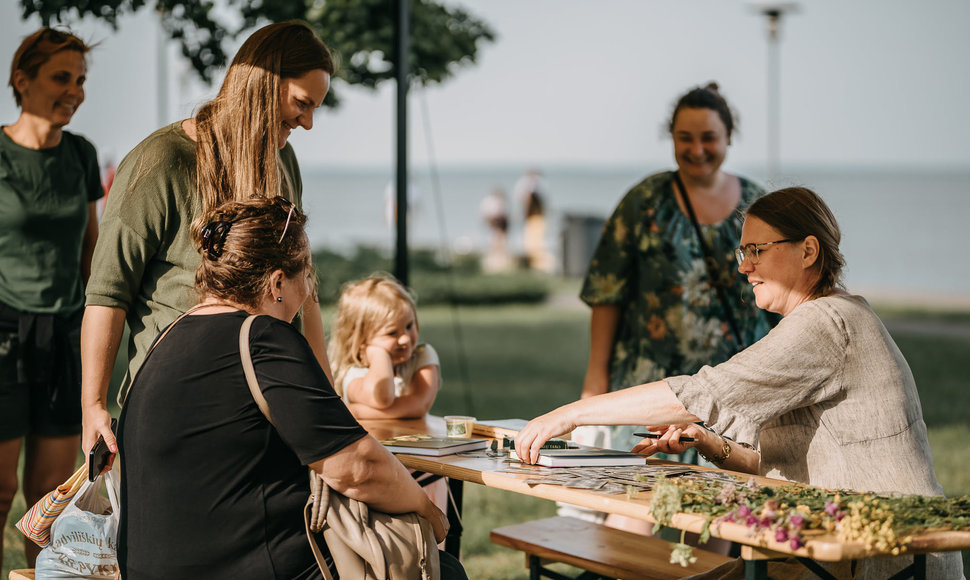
459,426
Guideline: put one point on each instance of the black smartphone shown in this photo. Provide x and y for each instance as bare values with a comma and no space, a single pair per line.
100,455
655,436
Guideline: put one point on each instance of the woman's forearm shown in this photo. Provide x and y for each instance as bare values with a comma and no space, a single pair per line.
366,471
739,458
101,331
604,320
314,334
648,404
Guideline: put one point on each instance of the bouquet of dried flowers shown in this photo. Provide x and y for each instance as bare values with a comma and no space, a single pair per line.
794,512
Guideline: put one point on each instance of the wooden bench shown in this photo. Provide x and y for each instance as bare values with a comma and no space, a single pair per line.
603,551
25,574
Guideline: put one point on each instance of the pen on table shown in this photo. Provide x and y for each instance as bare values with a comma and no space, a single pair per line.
655,436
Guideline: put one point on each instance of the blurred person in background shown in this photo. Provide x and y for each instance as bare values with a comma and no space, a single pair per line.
49,186
531,193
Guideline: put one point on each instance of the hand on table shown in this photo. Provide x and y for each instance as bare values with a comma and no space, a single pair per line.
530,438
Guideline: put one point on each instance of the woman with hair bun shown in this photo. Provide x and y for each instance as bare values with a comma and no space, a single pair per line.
655,291
235,147
209,487
49,186
663,302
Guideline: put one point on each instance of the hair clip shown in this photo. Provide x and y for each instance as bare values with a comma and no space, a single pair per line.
213,237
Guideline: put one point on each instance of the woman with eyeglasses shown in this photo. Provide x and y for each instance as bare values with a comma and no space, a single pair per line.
236,146
49,185
209,487
825,398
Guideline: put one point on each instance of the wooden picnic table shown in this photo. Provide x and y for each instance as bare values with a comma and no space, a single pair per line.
493,472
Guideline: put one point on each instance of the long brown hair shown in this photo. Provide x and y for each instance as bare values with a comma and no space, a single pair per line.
237,150
243,243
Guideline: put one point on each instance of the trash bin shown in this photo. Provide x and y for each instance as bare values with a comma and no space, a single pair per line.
580,234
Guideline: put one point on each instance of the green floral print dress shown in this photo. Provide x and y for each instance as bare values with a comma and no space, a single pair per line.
650,264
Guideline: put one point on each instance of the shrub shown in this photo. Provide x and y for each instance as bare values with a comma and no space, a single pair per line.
434,282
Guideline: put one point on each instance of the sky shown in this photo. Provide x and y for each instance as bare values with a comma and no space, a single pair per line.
865,83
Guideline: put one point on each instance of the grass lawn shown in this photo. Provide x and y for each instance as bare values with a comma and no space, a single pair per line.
517,361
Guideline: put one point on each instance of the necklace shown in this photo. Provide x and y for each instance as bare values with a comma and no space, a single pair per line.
213,305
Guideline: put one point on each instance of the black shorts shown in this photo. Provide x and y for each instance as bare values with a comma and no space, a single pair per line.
40,374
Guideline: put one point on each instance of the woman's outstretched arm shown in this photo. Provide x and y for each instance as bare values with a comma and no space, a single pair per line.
649,404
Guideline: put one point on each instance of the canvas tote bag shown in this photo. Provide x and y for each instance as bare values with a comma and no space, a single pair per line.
364,543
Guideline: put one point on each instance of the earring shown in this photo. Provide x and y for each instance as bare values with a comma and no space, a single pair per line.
279,298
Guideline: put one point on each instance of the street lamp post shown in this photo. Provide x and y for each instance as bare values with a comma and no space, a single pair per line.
773,12
401,173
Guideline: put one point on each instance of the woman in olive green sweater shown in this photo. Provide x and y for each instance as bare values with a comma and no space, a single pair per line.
144,263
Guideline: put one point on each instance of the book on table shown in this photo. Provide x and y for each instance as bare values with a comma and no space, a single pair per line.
431,445
586,457
498,428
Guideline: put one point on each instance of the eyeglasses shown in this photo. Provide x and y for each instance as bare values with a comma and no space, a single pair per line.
751,251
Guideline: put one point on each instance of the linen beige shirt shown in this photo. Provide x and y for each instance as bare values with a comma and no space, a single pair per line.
829,400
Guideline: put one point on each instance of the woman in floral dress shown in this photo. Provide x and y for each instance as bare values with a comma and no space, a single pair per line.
655,305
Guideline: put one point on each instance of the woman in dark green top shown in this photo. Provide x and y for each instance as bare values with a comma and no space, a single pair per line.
49,184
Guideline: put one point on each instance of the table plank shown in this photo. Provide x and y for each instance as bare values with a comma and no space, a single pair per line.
486,471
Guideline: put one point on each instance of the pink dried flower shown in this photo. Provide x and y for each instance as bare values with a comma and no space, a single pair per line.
795,543
831,507
797,520
781,535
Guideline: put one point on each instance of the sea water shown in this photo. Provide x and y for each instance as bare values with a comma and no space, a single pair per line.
904,233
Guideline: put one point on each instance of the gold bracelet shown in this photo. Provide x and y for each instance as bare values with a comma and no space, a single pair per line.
725,452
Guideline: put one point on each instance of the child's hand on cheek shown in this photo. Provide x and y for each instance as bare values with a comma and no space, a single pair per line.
374,354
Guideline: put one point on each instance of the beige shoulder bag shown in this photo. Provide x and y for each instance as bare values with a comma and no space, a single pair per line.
364,543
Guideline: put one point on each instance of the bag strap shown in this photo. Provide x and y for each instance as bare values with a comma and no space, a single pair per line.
250,371
313,515
710,263
123,395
